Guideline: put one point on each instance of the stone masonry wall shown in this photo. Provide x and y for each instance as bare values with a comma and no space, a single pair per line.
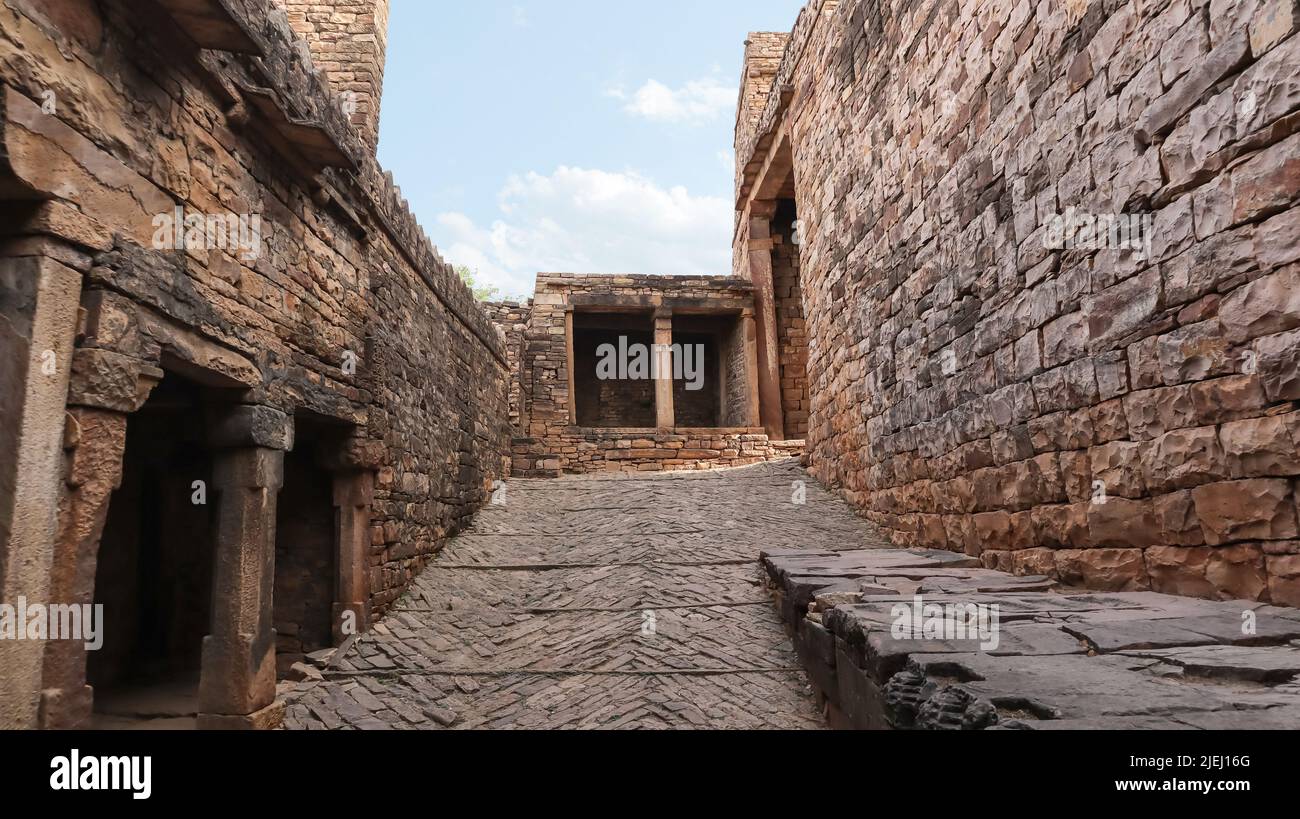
763,52
549,445
511,319
348,40
347,314
1118,419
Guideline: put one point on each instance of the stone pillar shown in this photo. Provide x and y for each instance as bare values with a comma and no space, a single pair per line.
665,413
95,443
769,360
39,299
354,462
105,387
353,495
569,365
237,683
750,335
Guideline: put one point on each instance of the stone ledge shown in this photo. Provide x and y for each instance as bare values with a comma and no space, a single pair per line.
1062,660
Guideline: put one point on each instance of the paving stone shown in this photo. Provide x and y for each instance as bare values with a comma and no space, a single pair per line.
1058,659
578,605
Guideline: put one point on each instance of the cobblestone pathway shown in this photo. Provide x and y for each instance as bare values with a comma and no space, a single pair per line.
596,603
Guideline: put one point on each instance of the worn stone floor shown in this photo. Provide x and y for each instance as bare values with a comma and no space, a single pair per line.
596,603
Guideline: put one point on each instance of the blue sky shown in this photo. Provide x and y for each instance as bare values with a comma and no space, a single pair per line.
570,135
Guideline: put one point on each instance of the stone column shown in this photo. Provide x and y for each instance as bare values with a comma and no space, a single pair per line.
665,413
769,360
105,386
353,495
237,683
750,335
354,462
572,379
38,322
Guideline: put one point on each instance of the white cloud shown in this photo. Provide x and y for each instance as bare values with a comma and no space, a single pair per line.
590,221
695,102
519,15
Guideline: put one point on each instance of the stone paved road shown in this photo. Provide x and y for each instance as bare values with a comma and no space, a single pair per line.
596,603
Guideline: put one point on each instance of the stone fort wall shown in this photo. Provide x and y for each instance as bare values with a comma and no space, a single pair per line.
1117,419
347,316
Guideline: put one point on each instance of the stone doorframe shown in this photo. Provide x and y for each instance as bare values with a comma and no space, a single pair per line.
238,673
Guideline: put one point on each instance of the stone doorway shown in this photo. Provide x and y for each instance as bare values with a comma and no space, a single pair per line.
611,403
154,570
705,342
306,555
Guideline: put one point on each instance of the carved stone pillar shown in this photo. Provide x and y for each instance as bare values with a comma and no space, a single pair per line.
104,388
354,463
353,495
39,298
665,414
237,683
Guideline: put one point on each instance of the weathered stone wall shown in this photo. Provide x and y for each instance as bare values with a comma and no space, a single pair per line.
1121,419
345,315
585,451
348,40
763,52
549,443
511,318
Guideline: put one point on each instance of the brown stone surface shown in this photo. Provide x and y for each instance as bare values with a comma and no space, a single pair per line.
946,318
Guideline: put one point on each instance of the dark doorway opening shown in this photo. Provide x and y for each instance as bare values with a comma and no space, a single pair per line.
791,329
698,395
154,570
618,402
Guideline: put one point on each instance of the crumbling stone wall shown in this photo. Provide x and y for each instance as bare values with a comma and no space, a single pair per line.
1120,419
511,318
346,315
348,40
550,439
763,53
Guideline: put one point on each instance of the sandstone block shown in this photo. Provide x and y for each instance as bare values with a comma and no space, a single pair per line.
1261,447
1236,511
1179,525
1183,459
1265,306
1123,523
1116,570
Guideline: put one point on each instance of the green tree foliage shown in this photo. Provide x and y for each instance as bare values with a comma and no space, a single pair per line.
482,292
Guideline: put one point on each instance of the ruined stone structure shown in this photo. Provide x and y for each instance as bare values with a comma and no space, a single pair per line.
987,379
572,420
244,400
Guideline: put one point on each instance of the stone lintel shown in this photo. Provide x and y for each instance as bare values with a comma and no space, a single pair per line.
240,426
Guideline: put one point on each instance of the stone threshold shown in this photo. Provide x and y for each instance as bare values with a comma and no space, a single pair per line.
1063,659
